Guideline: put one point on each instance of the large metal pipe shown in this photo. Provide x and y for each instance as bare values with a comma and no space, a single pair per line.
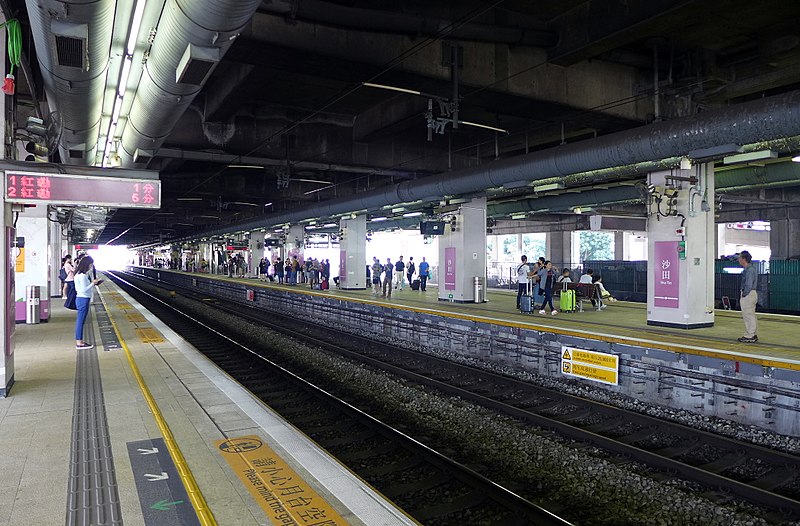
160,98
762,120
331,14
72,39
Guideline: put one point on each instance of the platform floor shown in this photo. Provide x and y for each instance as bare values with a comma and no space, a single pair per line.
199,404
620,322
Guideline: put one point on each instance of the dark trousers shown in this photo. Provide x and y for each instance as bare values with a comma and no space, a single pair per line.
548,298
522,288
422,281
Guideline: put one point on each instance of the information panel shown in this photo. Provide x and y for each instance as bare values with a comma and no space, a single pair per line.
32,187
592,365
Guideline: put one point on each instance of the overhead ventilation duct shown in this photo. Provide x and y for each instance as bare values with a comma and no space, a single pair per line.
767,119
72,40
191,39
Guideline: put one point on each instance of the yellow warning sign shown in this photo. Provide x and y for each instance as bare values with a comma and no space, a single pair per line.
592,365
149,335
286,498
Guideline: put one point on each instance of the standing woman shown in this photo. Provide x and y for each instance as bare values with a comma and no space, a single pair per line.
84,288
69,274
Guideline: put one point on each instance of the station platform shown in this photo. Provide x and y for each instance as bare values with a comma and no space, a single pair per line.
620,322
144,429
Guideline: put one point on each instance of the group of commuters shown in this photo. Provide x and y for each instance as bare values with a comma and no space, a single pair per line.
388,275
315,272
540,279
78,279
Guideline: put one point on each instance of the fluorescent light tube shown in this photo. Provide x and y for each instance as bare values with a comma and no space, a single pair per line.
123,78
391,88
548,187
501,130
750,156
136,22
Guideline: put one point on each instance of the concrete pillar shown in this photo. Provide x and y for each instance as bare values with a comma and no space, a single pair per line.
619,245
680,292
353,253
55,252
256,250
784,238
720,232
294,242
559,248
462,252
7,285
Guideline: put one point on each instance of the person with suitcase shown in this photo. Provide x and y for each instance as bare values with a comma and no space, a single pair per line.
523,283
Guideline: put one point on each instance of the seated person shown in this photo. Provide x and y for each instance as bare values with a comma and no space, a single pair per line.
587,278
604,294
564,277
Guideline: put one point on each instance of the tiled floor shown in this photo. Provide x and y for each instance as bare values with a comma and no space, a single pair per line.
200,404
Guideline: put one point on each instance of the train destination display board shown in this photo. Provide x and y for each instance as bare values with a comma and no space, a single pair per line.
35,188
591,365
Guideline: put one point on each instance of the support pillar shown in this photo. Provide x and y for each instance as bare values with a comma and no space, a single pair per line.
619,245
721,231
559,249
256,251
462,252
784,238
33,262
294,242
7,285
680,292
353,253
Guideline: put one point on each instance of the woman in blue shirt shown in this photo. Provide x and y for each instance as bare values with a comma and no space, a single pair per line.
84,289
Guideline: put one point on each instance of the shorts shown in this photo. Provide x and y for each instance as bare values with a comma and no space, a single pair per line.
376,281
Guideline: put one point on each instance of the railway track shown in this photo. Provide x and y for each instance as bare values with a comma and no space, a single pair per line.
725,467
430,487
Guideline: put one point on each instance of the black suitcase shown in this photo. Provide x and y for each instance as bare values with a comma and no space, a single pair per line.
415,285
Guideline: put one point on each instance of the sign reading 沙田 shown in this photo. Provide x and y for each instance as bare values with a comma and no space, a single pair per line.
591,365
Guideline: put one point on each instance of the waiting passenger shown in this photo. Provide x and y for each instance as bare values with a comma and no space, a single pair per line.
564,277
546,281
377,268
388,268
587,278
84,287
400,271
424,274
602,292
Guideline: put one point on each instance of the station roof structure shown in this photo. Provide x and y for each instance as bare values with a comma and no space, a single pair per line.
257,113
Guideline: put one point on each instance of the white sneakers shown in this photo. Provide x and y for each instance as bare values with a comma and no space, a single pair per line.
553,313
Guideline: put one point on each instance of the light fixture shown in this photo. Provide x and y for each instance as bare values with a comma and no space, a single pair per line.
582,209
413,214
329,225
268,204
391,88
519,216
379,219
548,187
189,199
714,151
750,156
796,159
136,22
317,181
475,124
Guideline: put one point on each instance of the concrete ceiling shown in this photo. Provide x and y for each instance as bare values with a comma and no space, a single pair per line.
288,96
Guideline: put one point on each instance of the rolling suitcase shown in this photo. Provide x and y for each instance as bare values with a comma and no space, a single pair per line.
526,302
567,300
415,285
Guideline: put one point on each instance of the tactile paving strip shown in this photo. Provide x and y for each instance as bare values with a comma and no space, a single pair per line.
93,494
149,335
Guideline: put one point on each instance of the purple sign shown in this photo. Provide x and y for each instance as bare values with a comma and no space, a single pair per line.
667,274
343,266
450,268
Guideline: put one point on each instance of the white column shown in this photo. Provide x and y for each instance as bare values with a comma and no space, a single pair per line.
7,258
462,253
353,253
680,292
294,242
256,250
721,232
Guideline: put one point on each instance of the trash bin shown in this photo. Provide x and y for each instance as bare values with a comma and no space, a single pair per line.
479,289
32,295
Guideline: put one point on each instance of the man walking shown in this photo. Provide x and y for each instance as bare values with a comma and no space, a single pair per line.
424,273
749,298
410,270
377,268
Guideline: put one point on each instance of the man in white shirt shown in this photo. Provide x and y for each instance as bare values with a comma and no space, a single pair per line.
522,279
587,278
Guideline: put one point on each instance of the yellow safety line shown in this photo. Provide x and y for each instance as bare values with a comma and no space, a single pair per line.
195,495
771,361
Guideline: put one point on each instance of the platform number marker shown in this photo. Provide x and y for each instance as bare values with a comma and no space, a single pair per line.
151,451
154,478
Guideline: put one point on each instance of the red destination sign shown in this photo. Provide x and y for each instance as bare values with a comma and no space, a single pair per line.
30,187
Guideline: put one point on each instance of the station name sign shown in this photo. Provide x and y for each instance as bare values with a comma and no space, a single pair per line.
65,189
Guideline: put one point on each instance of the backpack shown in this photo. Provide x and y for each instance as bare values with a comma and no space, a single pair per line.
62,274
411,268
